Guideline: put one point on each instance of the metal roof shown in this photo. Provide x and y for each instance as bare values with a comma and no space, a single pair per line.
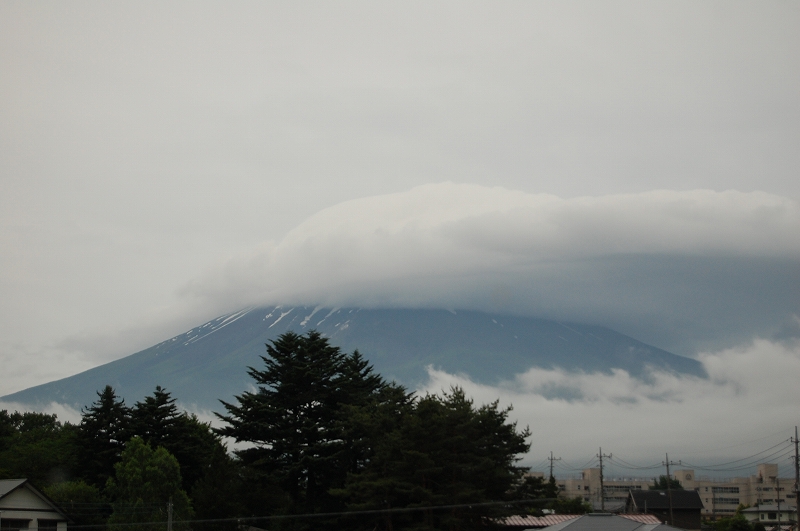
785,507
612,522
642,518
555,519
599,522
538,521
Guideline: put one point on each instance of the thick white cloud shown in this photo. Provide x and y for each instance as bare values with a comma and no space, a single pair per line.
142,146
750,396
665,255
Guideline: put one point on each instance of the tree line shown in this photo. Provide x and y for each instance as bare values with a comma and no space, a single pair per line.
323,442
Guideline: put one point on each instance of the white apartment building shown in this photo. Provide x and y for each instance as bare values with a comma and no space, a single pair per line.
720,497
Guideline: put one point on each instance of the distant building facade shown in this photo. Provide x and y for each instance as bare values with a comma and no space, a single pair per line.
720,497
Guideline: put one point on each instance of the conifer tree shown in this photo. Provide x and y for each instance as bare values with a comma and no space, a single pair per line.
159,422
444,452
155,418
295,418
103,432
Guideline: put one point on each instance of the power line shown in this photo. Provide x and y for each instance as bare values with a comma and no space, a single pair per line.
631,466
398,510
783,452
784,442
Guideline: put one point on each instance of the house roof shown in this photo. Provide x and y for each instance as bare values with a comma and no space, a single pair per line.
644,518
610,522
548,520
785,507
7,485
608,506
659,499
538,521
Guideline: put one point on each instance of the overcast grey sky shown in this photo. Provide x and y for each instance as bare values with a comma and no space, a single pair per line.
626,163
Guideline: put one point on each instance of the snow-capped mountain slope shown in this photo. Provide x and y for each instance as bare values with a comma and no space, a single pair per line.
209,362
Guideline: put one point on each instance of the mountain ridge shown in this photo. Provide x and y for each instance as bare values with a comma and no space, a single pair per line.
209,362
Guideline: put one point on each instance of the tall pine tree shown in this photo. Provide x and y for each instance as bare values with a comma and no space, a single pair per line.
159,422
104,430
295,418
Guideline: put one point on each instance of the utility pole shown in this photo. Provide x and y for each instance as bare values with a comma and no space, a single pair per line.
602,488
714,503
551,459
169,514
669,488
796,476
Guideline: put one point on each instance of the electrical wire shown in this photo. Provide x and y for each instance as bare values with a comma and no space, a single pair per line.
784,442
398,510
780,453
624,464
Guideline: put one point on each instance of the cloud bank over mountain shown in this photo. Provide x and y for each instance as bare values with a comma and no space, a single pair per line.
749,400
747,403
684,270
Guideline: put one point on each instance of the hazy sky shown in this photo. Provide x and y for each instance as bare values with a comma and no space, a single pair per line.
626,163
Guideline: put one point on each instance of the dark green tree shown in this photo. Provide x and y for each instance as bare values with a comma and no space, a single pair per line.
737,522
537,494
84,503
228,491
445,452
574,505
551,491
37,446
159,422
662,482
103,432
296,419
145,482
155,419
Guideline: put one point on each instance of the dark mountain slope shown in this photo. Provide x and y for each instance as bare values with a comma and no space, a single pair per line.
209,362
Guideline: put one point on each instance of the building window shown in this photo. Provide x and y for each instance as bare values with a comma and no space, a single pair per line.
48,525
13,524
771,516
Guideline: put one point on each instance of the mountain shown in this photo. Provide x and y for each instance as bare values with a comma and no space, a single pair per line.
209,362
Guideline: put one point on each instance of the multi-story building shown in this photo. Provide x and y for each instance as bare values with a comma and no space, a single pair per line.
587,486
720,497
